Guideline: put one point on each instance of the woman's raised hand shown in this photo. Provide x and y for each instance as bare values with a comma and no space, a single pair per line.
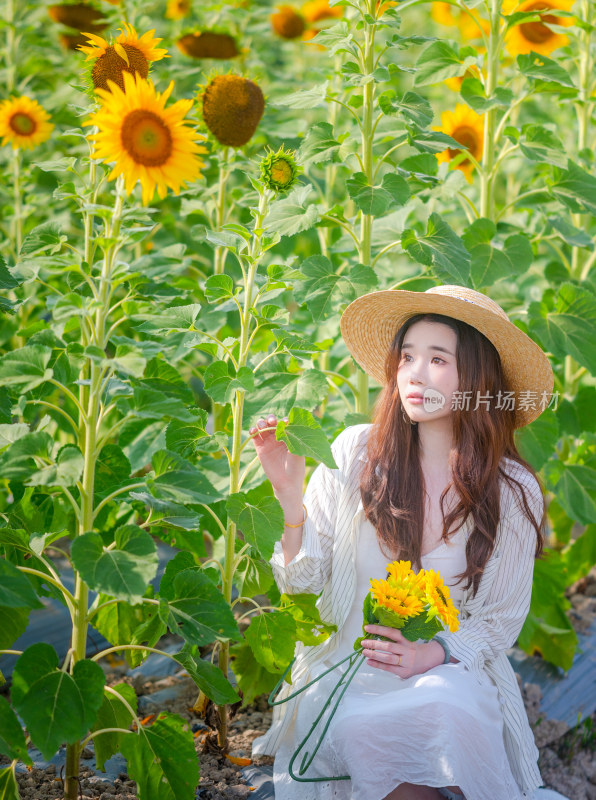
284,469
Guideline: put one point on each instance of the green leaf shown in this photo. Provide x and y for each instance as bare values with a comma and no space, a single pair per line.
377,200
41,693
260,519
439,61
580,557
174,318
576,491
292,214
472,91
547,629
272,636
46,237
17,462
536,442
283,390
252,678
9,433
14,624
123,572
306,98
319,145
421,627
412,106
25,368
178,481
128,360
113,714
12,737
439,247
66,471
542,145
325,292
112,469
152,404
9,789
219,287
575,187
432,141
570,234
304,437
162,759
541,68
221,381
253,577
209,678
120,622
15,589
195,609
310,628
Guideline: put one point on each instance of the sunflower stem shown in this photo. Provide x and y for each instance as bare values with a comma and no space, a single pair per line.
487,173
256,252
17,217
220,252
11,47
87,441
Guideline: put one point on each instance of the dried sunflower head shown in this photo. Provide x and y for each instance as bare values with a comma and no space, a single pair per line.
208,44
288,23
80,16
232,109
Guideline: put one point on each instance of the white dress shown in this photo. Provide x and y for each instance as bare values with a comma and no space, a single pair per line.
441,728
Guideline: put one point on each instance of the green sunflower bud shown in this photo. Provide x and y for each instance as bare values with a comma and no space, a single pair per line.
279,170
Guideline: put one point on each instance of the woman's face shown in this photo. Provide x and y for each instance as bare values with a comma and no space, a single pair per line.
427,373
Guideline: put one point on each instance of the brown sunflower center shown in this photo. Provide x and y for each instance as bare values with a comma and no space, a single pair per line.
110,66
281,172
537,32
146,138
22,124
467,136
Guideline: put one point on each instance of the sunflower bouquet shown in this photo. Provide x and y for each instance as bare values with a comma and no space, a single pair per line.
416,603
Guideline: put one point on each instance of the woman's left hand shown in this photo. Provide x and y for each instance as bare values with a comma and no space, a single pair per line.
400,656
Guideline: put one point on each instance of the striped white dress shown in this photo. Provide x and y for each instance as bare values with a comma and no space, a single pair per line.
490,621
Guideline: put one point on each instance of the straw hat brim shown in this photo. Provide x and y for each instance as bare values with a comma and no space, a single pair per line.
369,324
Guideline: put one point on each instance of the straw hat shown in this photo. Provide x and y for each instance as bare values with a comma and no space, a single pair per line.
369,324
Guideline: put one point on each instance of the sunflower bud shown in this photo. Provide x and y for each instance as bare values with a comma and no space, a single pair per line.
232,108
208,44
279,171
79,16
288,23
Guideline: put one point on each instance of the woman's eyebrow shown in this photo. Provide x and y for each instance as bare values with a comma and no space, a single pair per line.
431,347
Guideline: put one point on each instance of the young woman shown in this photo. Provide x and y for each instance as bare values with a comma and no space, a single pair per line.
435,480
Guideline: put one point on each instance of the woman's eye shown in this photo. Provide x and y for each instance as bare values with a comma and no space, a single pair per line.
438,359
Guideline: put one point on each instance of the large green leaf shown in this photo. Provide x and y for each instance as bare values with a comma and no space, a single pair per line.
9,789
175,318
13,623
162,759
580,557
25,368
179,481
377,200
122,572
113,714
222,381
12,737
319,145
541,68
547,629
575,187
15,589
576,491
112,469
10,433
120,622
439,61
272,636
441,248
65,471
473,92
537,441
411,106
324,291
259,518
310,628
280,391
253,679
195,609
55,706
305,437
18,462
209,678
293,214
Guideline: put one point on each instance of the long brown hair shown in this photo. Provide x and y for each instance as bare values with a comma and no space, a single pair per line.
392,483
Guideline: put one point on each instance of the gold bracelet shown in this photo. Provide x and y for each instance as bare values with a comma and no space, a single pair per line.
300,524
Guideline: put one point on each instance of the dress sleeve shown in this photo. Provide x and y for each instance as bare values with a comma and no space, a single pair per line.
310,569
495,625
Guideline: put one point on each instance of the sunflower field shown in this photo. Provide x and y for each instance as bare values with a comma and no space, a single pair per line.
192,191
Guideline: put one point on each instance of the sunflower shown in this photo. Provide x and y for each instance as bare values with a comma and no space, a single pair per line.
317,10
79,16
467,128
147,141
439,599
400,601
232,108
208,44
288,23
128,53
469,23
71,41
279,170
178,9
24,123
537,36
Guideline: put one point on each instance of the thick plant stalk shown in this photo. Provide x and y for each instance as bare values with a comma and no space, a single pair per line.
487,176
88,423
230,562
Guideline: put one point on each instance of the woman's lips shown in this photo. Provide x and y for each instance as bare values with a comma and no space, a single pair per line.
415,399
